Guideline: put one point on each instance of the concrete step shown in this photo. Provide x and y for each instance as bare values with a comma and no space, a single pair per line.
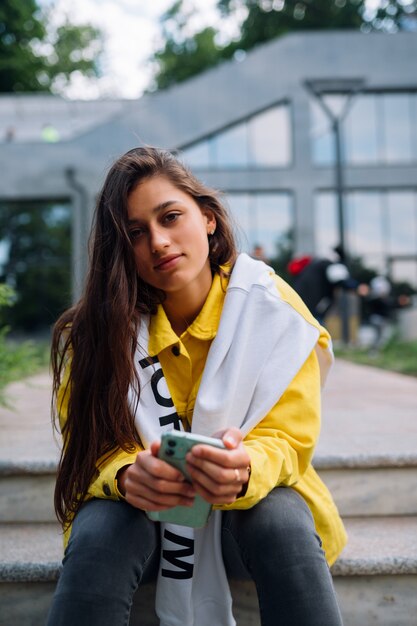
371,485
27,491
361,486
375,578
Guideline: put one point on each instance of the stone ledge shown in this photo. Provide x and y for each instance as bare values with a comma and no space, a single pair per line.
364,461
377,546
29,572
375,567
30,552
27,468
321,461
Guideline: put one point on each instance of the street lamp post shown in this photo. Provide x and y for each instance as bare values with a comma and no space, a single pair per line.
318,89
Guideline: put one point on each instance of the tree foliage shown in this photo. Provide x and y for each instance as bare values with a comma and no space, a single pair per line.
35,54
37,262
196,53
185,54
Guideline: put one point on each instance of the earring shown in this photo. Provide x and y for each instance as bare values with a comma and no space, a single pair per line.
212,232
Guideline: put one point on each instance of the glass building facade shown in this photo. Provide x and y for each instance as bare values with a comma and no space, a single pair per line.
262,218
378,129
381,229
262,140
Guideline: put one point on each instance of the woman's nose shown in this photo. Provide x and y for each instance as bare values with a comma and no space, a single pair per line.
158,239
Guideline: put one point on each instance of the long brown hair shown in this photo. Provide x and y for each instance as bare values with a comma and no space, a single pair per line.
96,338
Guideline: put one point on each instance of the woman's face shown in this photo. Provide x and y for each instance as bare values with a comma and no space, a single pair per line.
169,232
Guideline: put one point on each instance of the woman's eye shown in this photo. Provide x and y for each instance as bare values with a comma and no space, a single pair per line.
136,233
171,217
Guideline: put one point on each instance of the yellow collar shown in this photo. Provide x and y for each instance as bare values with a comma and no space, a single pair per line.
204,326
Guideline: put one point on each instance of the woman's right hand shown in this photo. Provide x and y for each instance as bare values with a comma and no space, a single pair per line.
151,484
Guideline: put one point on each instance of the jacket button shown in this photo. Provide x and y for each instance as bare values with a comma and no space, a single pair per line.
106,489
176,350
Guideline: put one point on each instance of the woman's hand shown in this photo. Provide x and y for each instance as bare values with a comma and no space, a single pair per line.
153,485
220,476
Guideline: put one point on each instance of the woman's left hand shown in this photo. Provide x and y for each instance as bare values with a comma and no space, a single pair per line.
218,475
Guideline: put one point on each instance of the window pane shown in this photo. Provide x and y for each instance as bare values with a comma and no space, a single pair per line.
378,224
321,135
323,145
397,127
360,131
378,128
264,140
336,103
325,219
263,218
364,225
270,137
239,204
402,222
273,219
198,155
231,147
414,125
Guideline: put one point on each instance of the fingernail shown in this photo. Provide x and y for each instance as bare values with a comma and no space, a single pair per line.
230,439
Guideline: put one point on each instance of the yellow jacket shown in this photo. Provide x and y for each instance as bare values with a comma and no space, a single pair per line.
281,446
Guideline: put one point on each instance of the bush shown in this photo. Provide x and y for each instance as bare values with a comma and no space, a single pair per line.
17,360
397,356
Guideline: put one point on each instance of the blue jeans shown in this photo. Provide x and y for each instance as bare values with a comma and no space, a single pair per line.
114,548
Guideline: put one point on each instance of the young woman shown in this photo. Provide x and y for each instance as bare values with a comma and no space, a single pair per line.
176,330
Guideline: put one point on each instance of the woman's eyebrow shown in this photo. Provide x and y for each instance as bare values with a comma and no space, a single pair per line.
157,209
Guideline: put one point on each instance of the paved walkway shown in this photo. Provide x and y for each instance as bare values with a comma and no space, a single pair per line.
26,430
367,414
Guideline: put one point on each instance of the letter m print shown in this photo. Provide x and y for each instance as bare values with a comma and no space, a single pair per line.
183,568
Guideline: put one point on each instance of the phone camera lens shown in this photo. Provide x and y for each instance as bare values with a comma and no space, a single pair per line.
172,443
169,452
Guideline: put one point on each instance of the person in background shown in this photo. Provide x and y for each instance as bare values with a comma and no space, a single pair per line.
259,253
317,279
175,329
380,305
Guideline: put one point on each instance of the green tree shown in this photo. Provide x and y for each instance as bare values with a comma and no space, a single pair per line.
184,55
196,53
37,263
36,55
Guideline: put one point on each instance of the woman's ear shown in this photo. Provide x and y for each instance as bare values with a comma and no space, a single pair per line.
210,220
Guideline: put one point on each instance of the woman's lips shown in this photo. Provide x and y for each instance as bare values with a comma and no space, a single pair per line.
168,262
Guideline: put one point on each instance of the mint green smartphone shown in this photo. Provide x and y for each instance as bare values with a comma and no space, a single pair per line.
174,447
